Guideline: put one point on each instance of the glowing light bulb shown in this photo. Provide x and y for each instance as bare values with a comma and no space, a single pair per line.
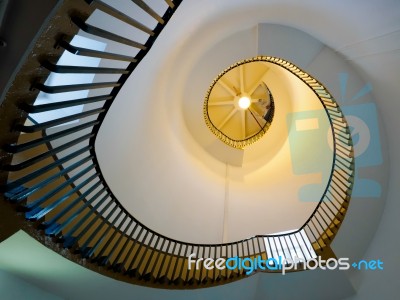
244,102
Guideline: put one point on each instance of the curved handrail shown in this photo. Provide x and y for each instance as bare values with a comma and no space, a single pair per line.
69,199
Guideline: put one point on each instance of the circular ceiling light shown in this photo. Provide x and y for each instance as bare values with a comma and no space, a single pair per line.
244,102
238,107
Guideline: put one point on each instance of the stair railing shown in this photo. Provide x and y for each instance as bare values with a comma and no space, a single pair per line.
51,177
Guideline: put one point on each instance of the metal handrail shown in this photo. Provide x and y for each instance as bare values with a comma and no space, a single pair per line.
87,217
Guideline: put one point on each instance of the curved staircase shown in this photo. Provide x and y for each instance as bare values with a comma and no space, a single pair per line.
53,187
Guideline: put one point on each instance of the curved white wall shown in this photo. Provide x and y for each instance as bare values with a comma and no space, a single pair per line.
364,44
173,183
367,34
199,27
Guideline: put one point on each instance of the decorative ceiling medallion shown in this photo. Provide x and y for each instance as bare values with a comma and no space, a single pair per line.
239,107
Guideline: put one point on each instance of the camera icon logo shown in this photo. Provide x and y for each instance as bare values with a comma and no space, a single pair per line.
310,142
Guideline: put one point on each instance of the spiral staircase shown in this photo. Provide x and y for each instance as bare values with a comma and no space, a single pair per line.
53,187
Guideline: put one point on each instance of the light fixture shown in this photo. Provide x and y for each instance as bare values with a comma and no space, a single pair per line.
231,111
244,102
